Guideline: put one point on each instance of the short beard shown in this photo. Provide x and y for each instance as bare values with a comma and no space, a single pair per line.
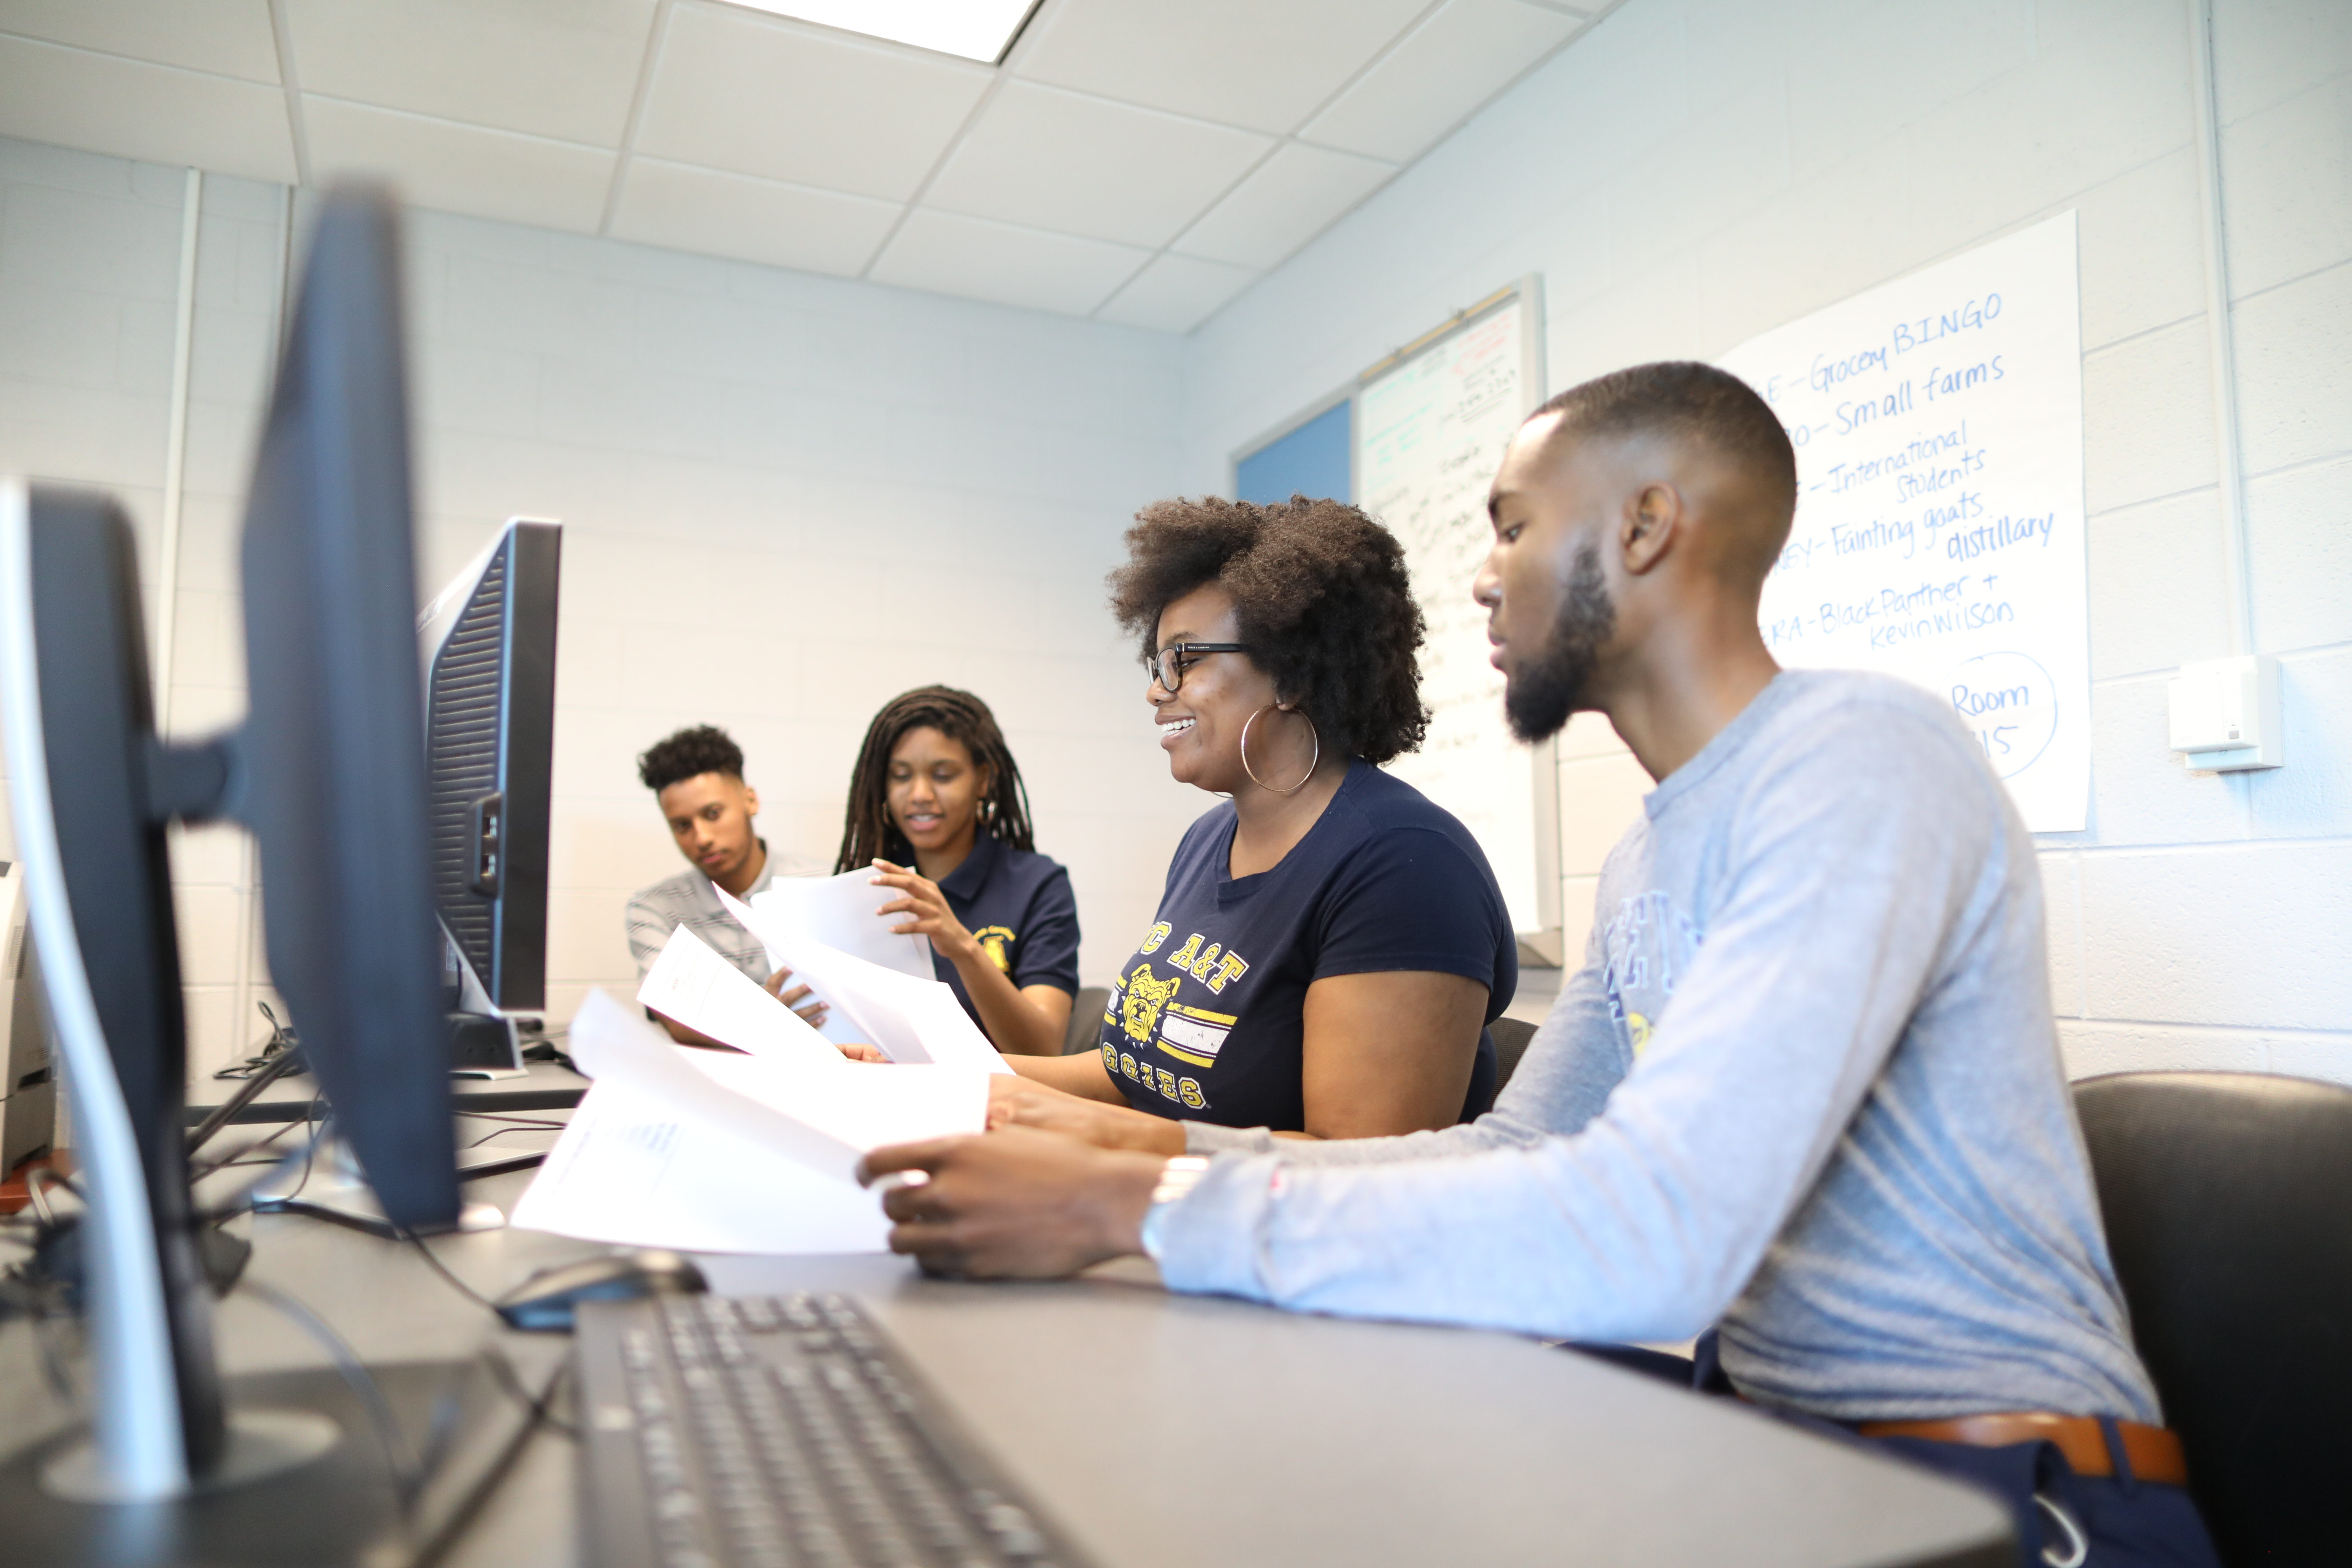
1545,689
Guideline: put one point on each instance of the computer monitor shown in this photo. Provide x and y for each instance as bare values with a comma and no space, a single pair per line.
488,647
328,774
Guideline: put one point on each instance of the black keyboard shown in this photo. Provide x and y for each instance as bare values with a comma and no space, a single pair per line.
779,1432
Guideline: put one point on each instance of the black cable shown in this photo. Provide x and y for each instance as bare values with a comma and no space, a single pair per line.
408,1477
518,1125
501,1372
240,1157
276,1067
282,1039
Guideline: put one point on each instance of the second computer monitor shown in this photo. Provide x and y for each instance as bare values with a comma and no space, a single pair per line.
488,648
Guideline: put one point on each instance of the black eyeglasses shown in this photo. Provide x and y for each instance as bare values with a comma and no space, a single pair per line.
1169,664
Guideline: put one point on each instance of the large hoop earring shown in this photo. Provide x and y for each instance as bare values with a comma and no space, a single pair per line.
1312,762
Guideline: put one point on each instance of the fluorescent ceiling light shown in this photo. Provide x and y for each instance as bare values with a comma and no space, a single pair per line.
976,30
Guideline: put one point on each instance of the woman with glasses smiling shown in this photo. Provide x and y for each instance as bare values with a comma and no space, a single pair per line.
1330,945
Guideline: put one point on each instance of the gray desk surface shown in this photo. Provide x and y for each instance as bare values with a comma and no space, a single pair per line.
1173,1430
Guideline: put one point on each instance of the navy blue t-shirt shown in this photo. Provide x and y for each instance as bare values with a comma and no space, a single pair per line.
1020,906
1207,1020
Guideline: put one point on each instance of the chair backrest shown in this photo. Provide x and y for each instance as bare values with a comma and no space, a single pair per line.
1086,1019
2228,1201
1511,1037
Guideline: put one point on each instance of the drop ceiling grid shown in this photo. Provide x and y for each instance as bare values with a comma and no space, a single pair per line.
1185,149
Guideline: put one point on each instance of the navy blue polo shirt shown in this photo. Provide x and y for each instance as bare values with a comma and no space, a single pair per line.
1207,1022
1020,907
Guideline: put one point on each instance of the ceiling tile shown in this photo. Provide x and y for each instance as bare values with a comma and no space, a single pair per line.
133,109
980,260
455,168
1176,293
686,208
746,92
1055,160
1450,65
229,37
1265,64
1287,202
565,68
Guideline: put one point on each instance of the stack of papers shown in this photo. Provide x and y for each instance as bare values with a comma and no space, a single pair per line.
711,1153
912,1020
691,984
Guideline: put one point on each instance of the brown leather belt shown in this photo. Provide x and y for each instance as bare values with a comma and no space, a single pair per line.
2154,1451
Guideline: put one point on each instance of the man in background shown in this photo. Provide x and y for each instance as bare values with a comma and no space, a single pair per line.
696,776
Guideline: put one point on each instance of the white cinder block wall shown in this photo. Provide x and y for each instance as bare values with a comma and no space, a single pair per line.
787,498
1694,172
790,497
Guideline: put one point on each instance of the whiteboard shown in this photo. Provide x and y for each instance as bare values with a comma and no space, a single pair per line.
1432,422
1940,531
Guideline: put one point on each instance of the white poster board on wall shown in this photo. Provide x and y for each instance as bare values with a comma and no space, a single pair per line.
1939,533
1431,425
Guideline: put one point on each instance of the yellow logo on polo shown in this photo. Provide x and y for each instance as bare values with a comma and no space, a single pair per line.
993,940
1145,997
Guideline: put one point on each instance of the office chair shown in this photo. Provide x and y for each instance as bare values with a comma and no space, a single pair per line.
1511,1037
2228,1201
1086,1019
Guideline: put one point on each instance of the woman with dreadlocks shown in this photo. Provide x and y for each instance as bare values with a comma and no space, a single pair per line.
938,809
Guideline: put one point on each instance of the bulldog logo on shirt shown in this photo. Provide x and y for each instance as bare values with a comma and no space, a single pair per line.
996,941
1145,997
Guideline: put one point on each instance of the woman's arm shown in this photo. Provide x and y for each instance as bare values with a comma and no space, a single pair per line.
1022,1021
1081,1075
1385,1055
1389,1053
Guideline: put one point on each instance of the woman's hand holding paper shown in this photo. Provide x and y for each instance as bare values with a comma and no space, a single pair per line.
1014,1101
927,912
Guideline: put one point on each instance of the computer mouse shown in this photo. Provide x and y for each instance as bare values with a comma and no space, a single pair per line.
543,1304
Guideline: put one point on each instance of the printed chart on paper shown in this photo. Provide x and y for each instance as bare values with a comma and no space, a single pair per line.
1939,533
1430,435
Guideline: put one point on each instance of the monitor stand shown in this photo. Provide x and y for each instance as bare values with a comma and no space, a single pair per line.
332,1498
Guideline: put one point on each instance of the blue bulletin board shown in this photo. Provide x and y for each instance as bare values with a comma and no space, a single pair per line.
1311,459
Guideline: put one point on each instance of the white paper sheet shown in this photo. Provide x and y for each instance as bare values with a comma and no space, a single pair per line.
691,984
730,1153
1939,535
839,911
910,1020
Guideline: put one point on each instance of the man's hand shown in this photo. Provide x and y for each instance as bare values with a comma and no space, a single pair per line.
1014,1101
799,999
1013,1205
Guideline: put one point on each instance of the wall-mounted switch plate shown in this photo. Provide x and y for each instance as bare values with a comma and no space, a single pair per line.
2225,714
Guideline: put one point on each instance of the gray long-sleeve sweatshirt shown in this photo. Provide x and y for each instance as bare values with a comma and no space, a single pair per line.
1806,1085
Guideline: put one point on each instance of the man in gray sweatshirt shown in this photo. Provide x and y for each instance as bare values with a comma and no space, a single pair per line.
1806,1086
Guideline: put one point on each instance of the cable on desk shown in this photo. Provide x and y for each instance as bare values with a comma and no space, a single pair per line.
278,1067
408,1472
237,1202
282,1039
501,1372
515,1125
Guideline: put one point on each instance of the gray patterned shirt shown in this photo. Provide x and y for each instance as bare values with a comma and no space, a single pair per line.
691,899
